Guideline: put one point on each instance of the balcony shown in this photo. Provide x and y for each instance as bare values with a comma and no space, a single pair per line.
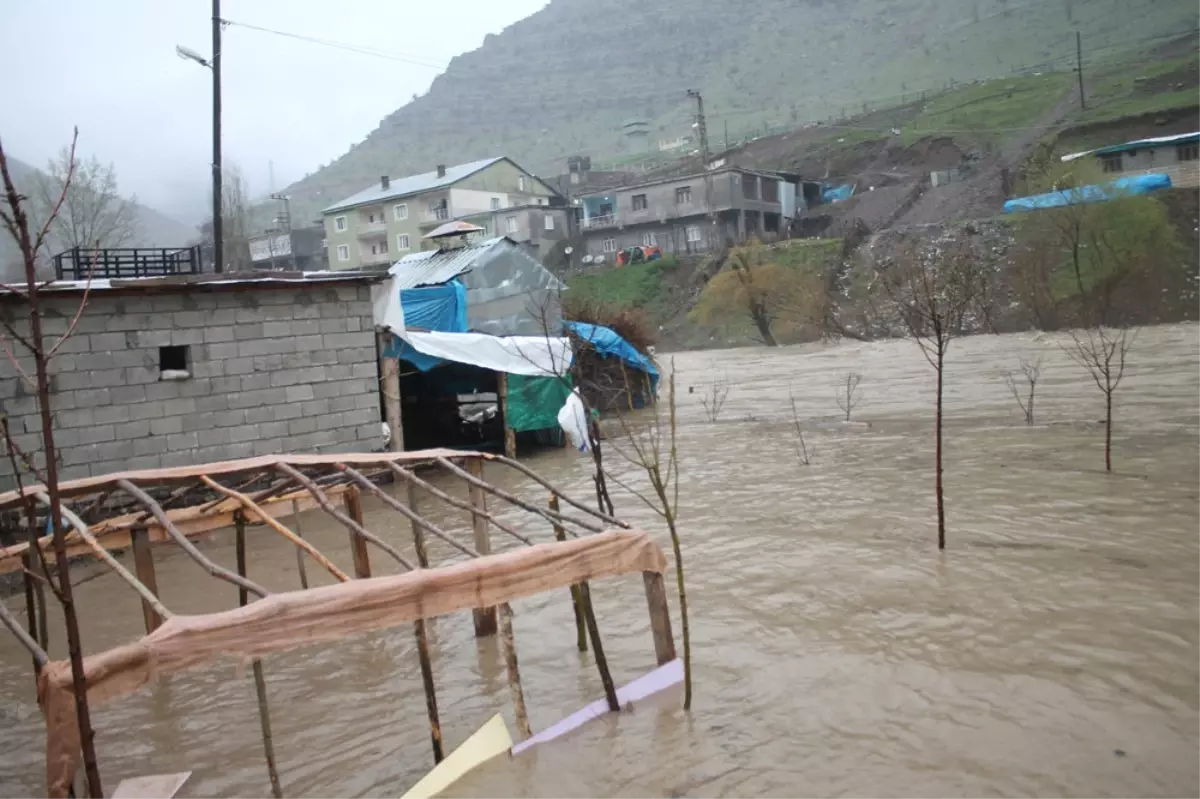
374,259
366,229
599,222
80,263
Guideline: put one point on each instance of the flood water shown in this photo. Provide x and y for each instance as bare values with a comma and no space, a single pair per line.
1052,649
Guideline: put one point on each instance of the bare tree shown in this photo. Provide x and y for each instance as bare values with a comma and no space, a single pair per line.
235,221
848,394
934,287
1102,352
715,400
92,213
15,218
1032,370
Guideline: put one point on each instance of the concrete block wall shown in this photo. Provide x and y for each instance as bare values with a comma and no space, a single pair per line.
272,369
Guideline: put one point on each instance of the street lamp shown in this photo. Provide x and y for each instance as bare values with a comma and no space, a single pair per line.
213,64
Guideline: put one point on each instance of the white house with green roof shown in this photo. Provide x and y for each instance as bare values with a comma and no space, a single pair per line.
385,222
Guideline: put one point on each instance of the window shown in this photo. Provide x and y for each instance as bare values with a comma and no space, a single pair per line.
174,363
683,195
1111,163
339,223
639,202
541,200
649,239
495,203
343,252
549,221
510,224
1187,152
693,234
750,187
402,241
380,248
521,183
608,245
400,211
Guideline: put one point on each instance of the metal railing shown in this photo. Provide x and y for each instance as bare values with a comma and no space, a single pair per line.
596,222
78,262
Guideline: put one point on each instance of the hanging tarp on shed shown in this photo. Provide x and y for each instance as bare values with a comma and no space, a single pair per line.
515,355
1128,186
608,343
533,402
442,308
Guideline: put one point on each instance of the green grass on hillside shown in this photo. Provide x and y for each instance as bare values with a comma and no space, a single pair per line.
1124,90
989,110
632,286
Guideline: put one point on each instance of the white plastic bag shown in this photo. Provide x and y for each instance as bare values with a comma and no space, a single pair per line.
572,418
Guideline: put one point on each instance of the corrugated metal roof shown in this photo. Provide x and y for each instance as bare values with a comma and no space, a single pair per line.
435,267
1140,144
413,184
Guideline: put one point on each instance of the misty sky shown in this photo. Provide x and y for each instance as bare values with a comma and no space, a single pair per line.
110,68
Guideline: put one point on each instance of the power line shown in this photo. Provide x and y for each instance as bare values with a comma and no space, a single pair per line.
353,48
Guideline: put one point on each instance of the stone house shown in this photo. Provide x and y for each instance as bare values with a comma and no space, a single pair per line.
1175,156
170,371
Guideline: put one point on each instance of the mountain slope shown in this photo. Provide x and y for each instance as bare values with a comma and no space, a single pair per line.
153,228
566,79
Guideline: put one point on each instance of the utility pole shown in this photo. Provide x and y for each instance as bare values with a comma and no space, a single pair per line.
702,127
727,135
218,233
287,226
1079,67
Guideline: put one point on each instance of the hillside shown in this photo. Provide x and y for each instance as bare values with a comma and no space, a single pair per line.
567,78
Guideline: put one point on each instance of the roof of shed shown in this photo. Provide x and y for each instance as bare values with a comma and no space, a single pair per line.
1139,144
435,267
413,184
166,283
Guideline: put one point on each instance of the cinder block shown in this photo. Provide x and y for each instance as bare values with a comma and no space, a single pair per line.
106,341
285,377
306,327
166,426
231,418
180,441
298,393
277,329
298,427
333,325
141,375
361,416
96,434
239,366
188,337
255,381
130,430
267,446
270,430
151,445
245,432
221,350
316,407
367,371
179,407
114,451
81,417
145,410
213,437
110,414
189,319
164,390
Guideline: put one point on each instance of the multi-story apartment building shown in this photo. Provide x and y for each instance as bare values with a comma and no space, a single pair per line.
385,222
692,213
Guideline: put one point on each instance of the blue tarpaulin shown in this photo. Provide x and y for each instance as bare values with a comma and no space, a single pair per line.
440,308
1122,187
838,194
607,342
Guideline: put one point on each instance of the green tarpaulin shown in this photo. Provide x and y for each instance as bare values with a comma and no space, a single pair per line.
534,402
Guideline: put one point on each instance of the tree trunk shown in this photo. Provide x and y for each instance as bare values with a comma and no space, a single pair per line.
941,505
1108,431
763,324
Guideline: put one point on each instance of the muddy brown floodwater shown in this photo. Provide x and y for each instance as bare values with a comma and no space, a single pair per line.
1052,649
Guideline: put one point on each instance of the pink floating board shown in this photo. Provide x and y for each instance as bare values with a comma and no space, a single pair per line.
660,679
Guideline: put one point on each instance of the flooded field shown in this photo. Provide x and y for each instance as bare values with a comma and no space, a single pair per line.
1052,649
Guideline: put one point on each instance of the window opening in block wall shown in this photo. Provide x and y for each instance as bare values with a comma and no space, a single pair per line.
174,363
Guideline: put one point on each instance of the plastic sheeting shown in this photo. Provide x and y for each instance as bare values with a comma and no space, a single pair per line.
1122,187
533,402
838,194
516,355
608,342
441,307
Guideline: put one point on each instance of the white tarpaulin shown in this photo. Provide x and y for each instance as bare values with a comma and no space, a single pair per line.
385,305
538,356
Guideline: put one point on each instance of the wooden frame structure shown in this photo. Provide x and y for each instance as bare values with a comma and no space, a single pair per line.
140,509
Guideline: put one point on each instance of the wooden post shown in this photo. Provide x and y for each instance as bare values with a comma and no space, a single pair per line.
260,683
610,690
560,534
143,562
660,617
358,544
299,553
389,388
514,673
32,597
485,618
431,707
510,435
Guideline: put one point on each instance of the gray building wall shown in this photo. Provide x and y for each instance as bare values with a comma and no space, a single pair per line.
279,369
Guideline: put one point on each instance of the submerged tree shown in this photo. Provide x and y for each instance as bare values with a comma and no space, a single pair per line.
1032,370
1102,352
935,287
848,395
30,239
